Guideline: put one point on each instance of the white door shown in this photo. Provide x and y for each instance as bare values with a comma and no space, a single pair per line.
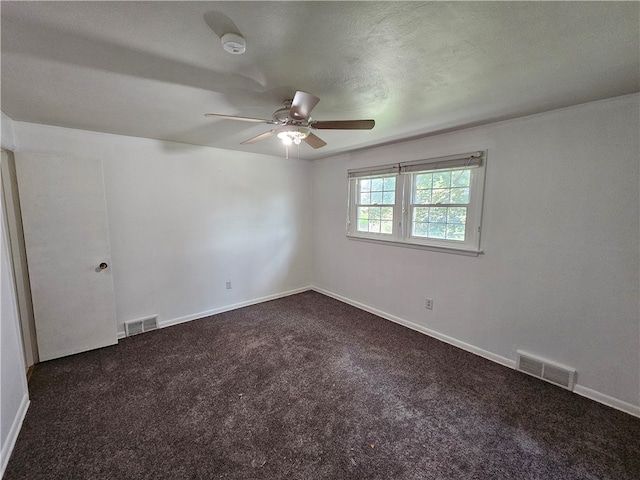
65,229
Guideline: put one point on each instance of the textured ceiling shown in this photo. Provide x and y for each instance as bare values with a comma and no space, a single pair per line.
152,69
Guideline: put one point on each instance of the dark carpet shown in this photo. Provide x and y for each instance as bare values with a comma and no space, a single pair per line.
306,387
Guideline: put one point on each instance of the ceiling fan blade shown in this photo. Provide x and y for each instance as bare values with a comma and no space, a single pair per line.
258,137
244,119
302,104
343,125
314,141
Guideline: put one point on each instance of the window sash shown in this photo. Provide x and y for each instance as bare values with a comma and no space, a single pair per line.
355,205
445,225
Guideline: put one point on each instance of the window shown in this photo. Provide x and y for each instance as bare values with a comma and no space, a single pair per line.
431,203
375,202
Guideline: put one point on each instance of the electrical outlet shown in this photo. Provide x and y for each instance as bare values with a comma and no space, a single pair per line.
429,304
228,285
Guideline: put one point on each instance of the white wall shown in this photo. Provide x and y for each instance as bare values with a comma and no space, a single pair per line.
6,129
184,220
560,272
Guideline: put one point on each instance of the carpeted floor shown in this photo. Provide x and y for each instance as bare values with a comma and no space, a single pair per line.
306,387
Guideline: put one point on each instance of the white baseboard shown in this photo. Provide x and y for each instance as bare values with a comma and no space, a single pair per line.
10,442
419,328
578,389
227,308
607,400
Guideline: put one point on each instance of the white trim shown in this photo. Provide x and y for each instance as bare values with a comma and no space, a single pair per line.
10,441
227,308
419,246
581,390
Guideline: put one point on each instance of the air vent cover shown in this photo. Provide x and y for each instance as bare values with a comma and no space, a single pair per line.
547,370
133,327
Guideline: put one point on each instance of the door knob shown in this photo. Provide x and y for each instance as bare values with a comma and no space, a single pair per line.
103,266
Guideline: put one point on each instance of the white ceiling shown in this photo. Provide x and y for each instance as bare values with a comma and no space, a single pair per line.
152,69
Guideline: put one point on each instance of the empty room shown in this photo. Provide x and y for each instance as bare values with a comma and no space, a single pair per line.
320,240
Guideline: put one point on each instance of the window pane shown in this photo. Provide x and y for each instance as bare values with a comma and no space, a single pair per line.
460,178
424,180
455,232
421,214
365,185
389,184
363,219
422,196
439,222
389,198
386,226
420,229
376,198
376,184
442,179
374,213
374,226
440,195
438,215
459,195
365,199
386,213
457,215
437,230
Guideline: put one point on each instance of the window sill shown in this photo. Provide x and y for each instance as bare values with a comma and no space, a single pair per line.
419,246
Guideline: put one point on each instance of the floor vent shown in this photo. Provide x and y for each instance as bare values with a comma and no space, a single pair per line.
552,372
133,327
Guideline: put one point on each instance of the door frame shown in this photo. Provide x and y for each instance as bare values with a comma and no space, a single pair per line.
15,237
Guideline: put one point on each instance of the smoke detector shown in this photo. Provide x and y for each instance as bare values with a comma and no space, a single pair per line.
234,43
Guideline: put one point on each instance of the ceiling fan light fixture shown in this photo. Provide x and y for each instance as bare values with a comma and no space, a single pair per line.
289,136
233,43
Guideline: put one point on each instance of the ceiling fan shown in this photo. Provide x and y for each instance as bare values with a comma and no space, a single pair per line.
295,123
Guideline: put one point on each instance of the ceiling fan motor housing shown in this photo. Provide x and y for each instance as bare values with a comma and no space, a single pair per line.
282,114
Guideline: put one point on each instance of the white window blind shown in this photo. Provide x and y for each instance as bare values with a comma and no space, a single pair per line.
375,171
465,160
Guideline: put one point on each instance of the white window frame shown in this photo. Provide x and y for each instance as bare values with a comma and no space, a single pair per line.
405,173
